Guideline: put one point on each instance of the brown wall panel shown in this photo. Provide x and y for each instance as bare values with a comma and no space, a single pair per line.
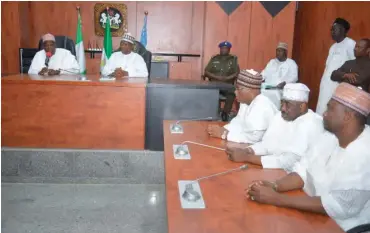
180,70
238,33
10,37
312,38
215,30
169,25
62,20
283,27
261,49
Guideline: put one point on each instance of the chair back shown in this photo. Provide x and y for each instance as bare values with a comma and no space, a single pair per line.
25,59
146,54
63,42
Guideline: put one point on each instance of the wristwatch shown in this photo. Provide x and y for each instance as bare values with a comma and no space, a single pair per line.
224,134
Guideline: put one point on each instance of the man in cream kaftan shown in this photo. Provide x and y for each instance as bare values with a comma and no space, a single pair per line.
255,113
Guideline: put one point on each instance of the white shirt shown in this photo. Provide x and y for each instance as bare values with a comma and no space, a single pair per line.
252,121
277,72
339,53
341,177
133,63
286,142
62,59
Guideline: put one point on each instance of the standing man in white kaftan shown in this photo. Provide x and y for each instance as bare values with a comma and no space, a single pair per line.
126,63
289,135
335,173
53,61
339,53
278,72
255,113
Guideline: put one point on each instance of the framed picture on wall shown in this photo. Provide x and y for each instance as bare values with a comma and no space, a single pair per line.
116,14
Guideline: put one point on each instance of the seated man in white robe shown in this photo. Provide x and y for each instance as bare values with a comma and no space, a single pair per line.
289,135
335,173
278,72
53,61
126,63
255,113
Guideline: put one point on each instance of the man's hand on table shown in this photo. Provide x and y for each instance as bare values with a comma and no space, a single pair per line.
216,131
237,154
263,192
119,73
52,72
43,71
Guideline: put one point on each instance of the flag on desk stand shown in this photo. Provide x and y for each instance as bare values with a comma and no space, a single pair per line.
80,51
107,46
144,35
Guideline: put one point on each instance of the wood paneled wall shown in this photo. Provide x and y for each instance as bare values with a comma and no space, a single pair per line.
179,27
10,37
312,38
253,32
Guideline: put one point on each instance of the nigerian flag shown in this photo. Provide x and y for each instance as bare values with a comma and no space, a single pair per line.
107,47
80,51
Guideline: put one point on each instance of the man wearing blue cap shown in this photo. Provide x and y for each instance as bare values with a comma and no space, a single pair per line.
223,68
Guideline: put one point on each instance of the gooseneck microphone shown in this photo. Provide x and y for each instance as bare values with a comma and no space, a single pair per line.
177,128
191,195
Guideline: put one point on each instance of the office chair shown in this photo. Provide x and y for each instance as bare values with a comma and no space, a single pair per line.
225,115
146,54
25,59
63,42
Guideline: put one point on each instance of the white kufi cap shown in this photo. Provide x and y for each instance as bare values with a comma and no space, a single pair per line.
296,92
129,38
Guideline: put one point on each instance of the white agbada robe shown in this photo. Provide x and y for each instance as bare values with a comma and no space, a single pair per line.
133,63
341,177
62,59
252,121
277,72
339,53
286,142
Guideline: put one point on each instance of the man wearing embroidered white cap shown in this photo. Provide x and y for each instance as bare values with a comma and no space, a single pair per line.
53,61
278,72
126,63
255,113
289,135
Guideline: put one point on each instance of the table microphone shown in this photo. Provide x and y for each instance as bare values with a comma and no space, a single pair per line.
181,150
178,128
48,56
192,195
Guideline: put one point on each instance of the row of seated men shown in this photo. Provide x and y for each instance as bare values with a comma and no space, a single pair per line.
328,157
55,61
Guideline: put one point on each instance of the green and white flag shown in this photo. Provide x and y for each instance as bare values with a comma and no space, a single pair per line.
107,48
80,51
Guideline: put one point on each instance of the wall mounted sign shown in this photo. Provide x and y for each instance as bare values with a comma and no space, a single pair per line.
116,14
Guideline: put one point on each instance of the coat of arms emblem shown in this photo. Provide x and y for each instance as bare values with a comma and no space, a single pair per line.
116,14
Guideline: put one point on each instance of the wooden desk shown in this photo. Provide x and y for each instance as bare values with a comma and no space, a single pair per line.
227,210
67,112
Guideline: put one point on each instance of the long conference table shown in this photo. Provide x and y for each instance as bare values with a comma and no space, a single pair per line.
227,210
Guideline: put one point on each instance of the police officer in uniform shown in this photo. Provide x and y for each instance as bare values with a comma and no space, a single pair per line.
223,68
